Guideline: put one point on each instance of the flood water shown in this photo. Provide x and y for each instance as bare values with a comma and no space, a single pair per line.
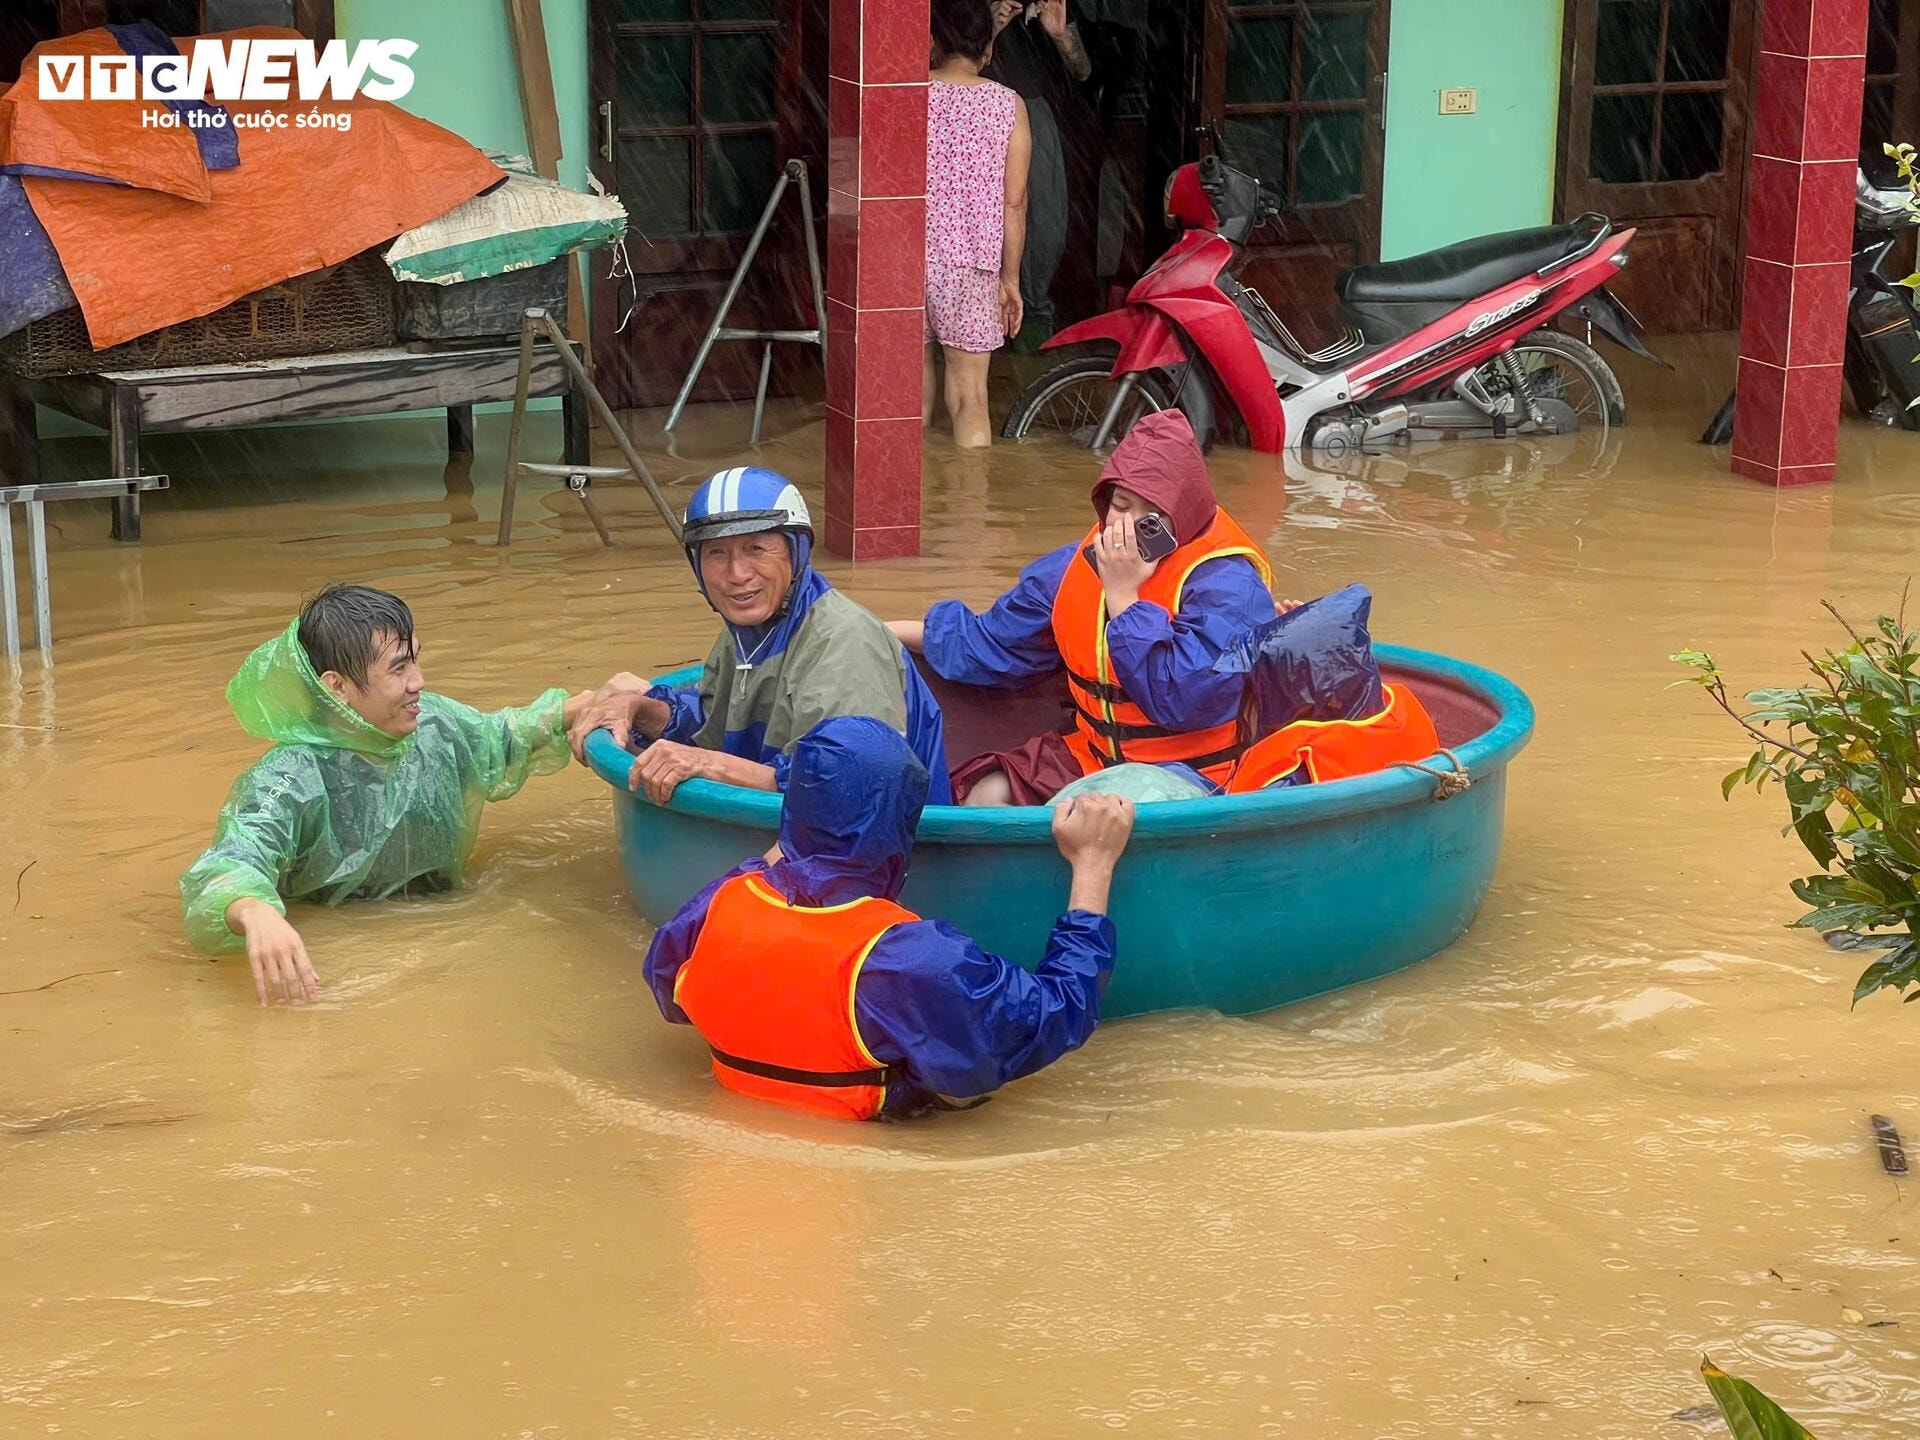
481,1189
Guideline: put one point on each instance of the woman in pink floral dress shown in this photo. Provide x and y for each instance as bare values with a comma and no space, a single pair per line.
978,146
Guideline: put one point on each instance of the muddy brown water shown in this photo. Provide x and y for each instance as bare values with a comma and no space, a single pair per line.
481,1189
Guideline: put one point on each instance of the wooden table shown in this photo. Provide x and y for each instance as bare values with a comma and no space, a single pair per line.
129,403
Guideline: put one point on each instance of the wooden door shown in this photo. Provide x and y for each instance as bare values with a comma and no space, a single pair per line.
693,105
1292,93
1653,132
1891,112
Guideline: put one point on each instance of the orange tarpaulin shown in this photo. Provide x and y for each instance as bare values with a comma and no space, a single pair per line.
107,138
302,197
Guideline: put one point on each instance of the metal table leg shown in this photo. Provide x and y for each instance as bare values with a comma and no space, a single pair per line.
123,448
6,581
42,595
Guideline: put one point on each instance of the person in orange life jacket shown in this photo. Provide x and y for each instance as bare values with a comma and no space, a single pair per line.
1324,712
813,988
1138,638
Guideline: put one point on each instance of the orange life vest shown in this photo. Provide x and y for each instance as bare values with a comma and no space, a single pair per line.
770,986
1335,749
1109,728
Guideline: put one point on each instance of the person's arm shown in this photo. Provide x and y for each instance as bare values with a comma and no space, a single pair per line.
230,896
633,710
664,764
1009,645
964,1022
1165,662
673,944
1013,243
508,747
1064,30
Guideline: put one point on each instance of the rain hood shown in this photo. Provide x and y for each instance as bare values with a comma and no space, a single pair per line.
1161,462
853,798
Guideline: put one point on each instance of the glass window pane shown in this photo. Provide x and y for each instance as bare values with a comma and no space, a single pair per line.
1259,145
1333,60
1690,132
736,78
1617,147
1259,61
1330,151
625,10
1883,37
736,10
653,85
1697,39
656,186
739,174
1627,41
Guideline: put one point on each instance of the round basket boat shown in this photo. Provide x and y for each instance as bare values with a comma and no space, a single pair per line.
1236,903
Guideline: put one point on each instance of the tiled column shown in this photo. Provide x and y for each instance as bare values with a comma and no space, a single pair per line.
876,274
1793,314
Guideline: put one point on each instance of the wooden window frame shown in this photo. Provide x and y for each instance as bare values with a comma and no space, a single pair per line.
1301,12
1659,88
699,248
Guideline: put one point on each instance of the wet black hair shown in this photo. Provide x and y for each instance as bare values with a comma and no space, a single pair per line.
338,626
961,27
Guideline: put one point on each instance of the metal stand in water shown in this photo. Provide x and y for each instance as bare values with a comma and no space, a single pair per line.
535,323
34,498
795,173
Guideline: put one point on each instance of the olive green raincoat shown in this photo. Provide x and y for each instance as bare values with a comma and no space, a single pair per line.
339,810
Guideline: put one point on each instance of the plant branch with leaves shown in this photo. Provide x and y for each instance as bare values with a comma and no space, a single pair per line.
1845,751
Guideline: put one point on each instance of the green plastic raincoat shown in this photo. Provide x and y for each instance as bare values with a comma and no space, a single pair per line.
339,810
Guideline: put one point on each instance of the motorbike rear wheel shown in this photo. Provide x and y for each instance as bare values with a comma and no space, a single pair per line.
1556,366
1069,400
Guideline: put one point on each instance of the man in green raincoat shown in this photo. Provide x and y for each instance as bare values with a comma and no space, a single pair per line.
373,786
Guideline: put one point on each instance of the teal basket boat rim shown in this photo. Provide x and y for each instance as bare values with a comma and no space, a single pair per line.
1488,752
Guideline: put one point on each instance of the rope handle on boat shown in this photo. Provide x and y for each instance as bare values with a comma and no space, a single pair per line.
1446,783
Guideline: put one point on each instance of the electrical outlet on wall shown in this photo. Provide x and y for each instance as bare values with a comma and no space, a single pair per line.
1462,101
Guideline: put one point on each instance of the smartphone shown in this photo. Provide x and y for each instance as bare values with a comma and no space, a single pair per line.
1152,534
1155,537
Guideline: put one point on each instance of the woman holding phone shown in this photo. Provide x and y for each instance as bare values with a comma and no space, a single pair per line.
1136,612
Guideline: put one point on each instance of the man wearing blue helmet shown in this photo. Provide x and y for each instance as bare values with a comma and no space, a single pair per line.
793,652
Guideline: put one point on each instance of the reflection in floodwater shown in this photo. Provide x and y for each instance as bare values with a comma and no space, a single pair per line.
481,1189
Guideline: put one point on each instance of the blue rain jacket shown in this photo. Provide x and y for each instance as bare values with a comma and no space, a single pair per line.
765,686
961,1022
1313,663
1164,662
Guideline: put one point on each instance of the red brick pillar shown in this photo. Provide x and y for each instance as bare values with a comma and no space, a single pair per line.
1793,313
876,274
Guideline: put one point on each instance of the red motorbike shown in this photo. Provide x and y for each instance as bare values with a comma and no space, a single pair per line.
1458,342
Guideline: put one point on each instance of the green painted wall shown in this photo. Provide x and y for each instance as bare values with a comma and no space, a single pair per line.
464,72
1452,176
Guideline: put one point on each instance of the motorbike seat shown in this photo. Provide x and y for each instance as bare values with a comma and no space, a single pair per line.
1459,272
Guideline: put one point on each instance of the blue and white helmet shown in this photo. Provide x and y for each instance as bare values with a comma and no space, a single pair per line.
743,501
747,500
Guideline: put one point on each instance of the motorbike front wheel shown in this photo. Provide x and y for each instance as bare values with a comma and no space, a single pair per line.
1069,400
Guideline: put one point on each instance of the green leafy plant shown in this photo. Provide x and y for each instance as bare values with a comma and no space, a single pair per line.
1848,764
1749,1414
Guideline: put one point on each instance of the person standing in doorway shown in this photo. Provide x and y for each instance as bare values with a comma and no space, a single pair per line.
1040,53
977,151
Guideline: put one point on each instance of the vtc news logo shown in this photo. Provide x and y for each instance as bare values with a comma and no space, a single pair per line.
236,70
